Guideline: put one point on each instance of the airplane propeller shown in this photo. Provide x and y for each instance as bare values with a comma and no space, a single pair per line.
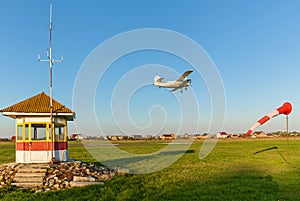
189,81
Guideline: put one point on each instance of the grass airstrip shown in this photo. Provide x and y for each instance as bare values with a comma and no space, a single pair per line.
231,172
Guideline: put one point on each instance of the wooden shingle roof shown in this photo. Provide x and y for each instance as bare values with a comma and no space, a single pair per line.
38,104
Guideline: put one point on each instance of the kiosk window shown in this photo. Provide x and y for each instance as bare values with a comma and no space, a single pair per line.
26,132
38,131
19,132
59,132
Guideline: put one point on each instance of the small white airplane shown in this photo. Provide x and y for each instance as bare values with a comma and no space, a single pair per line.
178,84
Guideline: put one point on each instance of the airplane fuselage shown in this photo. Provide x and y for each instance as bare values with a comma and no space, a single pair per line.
173,84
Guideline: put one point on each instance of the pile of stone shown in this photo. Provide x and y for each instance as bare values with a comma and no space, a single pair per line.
74,174
7,172
61,175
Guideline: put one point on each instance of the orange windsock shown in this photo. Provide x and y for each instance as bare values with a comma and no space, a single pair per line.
286,109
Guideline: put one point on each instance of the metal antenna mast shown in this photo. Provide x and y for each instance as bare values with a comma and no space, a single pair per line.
51,63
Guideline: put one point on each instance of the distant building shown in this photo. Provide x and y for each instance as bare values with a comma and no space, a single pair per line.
206,135
157,137
138,137
187,136
13,138
149,137
115,137
197,136
168,136
98,137
76,137
235,136
222,135
259,134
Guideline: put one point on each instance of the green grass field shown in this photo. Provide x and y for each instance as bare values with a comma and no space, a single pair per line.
230,172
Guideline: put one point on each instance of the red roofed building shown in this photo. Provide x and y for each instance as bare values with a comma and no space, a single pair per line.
222,135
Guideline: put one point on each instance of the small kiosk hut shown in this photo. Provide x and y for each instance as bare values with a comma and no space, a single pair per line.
34,143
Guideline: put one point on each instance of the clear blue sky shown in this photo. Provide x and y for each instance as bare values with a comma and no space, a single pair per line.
254,45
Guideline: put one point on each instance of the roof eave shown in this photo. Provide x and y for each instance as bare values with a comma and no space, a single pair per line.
69,116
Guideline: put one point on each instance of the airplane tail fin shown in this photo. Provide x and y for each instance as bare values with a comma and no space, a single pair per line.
157,79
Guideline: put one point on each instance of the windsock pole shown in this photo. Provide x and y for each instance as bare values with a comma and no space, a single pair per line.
287,135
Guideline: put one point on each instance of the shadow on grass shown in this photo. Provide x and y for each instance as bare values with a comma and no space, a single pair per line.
240,185
135,164
234,185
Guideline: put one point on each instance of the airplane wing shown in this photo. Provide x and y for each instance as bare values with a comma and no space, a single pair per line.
174,89
184,75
